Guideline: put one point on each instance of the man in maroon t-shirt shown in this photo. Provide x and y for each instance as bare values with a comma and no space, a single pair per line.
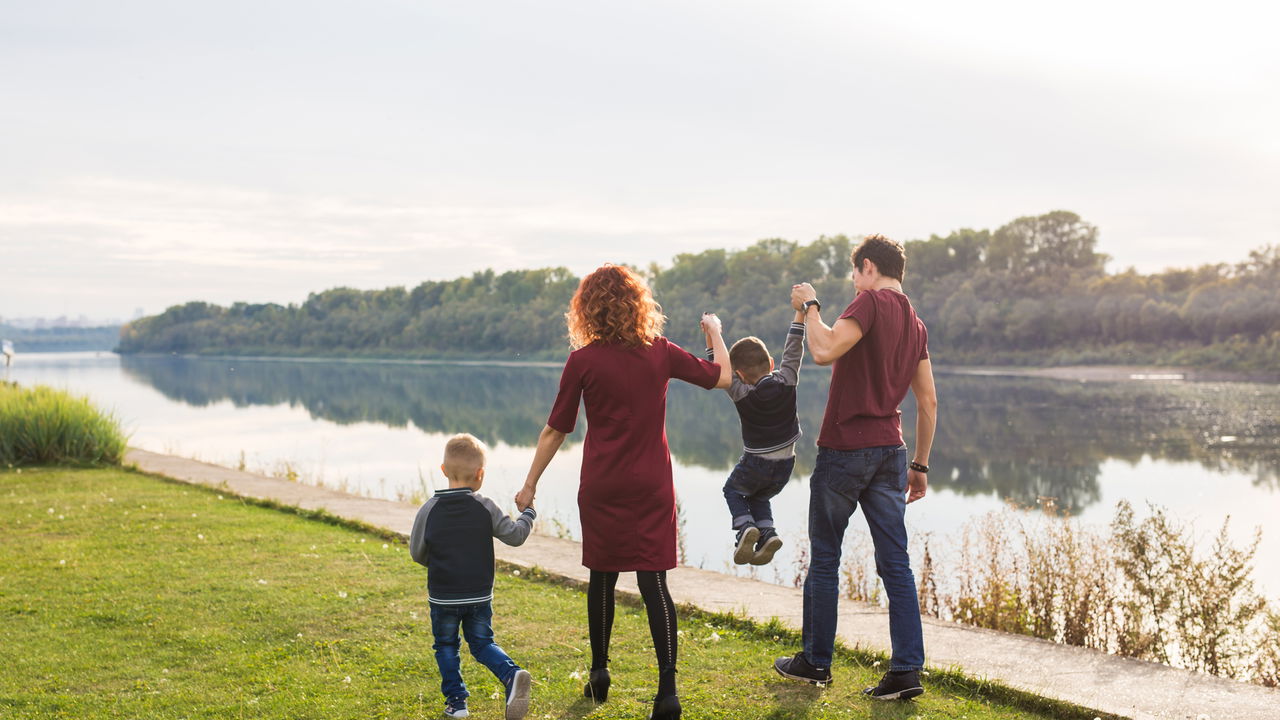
879,349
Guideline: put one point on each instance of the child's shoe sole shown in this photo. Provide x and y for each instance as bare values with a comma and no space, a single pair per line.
764,555
518,702
746,546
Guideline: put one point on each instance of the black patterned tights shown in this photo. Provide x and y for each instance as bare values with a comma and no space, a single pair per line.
662,622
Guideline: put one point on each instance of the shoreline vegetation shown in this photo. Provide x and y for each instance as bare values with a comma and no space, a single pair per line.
1143,588
143,597
42,425
1034,292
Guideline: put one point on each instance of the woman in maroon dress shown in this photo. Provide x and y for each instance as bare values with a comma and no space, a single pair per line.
626,500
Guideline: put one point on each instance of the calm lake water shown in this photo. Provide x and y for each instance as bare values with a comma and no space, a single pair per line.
1204,451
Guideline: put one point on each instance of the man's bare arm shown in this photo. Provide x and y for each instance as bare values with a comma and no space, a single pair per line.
926,423
826,344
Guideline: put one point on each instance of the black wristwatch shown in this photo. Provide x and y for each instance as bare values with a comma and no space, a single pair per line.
805,308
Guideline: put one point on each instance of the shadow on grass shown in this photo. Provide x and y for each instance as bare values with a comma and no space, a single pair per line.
795,700
893,709
578,710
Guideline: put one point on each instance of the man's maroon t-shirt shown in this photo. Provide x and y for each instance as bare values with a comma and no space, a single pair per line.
869,382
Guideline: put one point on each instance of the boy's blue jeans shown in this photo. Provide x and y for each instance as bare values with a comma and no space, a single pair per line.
476,622
753,481
877,478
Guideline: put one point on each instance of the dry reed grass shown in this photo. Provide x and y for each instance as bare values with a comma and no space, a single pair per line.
1141,588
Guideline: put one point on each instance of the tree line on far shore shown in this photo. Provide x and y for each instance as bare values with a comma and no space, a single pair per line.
1034,291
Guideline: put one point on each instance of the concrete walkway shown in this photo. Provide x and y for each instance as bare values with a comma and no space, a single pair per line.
1089,678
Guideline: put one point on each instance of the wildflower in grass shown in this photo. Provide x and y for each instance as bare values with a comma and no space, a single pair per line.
347,679
199,536
575,675
714,637
51,511
516,573
62,562
385,546
342,594
261,581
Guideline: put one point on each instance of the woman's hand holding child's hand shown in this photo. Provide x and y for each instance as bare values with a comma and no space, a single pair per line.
710,323
524,498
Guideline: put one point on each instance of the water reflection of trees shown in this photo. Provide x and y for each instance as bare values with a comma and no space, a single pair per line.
1018,438
496,404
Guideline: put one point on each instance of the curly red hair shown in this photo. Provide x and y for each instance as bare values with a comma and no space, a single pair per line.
614,304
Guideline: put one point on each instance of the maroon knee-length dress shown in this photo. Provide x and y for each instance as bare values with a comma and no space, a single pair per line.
626,499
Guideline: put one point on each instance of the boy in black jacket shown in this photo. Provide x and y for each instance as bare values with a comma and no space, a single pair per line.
453,537
766,402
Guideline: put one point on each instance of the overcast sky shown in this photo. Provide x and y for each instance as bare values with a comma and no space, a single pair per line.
157,152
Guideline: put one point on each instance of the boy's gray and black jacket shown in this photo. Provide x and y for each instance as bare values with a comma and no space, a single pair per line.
453,537
768,408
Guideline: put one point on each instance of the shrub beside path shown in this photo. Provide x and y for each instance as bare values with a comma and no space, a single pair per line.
1088,678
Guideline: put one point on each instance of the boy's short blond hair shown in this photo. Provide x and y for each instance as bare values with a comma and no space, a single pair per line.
750,357
464,456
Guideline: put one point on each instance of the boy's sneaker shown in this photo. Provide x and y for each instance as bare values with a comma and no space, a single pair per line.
766,545
518,695
797,667
896,685
456,709
747,537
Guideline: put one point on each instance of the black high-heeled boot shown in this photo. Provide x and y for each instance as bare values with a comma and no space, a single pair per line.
667,708
597,687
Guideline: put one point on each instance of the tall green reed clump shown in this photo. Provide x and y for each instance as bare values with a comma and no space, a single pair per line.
43,425
1141,590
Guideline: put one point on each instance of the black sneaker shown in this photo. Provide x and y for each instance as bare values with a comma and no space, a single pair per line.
797,667
518,695
766,545
747,537
896,685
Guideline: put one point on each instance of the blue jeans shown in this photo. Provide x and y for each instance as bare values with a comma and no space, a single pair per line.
753,481
877,478
477,626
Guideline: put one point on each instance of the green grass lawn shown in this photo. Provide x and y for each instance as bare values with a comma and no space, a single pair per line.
127,596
